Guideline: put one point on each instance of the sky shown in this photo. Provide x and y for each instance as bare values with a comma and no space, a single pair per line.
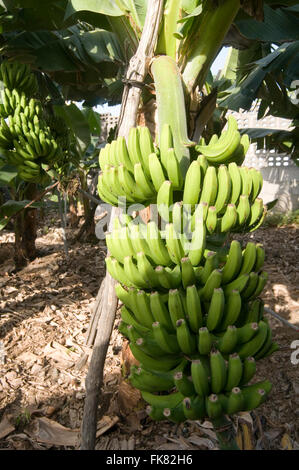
217,65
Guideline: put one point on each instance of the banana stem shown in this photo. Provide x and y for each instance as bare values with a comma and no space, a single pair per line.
167,43
225,433
171,106
203,43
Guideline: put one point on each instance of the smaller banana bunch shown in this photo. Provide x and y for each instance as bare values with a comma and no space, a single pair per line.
18,76
137,170
229,147
25,138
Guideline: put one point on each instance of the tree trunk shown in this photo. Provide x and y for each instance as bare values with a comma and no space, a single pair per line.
26,231
74,218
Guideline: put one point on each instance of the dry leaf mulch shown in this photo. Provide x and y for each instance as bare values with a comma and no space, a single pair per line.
45,312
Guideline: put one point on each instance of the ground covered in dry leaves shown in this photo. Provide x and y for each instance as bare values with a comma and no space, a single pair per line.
44,316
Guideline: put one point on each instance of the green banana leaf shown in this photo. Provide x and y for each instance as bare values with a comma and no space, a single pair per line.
279,25
7,174
11,208
136,9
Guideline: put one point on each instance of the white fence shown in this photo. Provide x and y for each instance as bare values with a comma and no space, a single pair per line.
280,173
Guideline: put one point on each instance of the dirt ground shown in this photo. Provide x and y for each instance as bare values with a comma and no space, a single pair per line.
45,311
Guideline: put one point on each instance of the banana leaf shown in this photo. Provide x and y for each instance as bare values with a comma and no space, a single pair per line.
11,208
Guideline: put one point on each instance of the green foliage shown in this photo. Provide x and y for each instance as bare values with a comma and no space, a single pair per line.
11,208
279,219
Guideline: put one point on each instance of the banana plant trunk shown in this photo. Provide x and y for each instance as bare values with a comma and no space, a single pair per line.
26,231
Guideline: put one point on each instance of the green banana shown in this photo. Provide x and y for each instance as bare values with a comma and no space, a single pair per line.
134,147
233,263
235,371
235,402
210,264
175,306
194,407
163,401
150,381
173,169
205,341
123,154
133,273
228,220
173,244
218,371
164,278
249,369
240,283
251,286
249,258
192,184
251,347
193,306
216,309
256,186
200,378
157,248
160,311
168,342
260,258
129,319
116,270
243,209
146,147
213,406
229,340
232,309
253,314
247,332
263,278
254,395
211,220
198,243
165,200
156,171
224,188
246,180
183,384
186,339
209,186
143,309
266,345
213,282
154,364
188,275
143,182
146,270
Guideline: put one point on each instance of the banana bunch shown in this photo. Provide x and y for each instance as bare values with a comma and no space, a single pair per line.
25,138
229,147
190,307
16,75
137,170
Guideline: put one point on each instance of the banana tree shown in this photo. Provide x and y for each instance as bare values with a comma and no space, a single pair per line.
138,172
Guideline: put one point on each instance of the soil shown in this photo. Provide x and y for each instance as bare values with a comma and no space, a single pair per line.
45,312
